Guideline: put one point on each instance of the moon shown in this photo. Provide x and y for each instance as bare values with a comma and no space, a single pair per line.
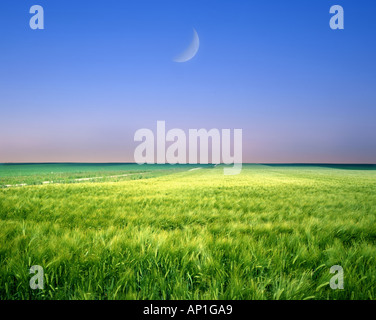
191,51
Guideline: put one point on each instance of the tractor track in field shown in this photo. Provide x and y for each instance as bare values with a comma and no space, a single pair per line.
78,179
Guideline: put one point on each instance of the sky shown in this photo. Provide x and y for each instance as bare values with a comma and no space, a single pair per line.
78,90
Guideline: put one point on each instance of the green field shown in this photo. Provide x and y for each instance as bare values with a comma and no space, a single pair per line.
34,174
271,232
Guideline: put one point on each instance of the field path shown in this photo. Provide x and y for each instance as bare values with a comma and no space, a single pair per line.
79,179
195,169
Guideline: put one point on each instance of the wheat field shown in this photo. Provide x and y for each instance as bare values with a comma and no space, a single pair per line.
271,232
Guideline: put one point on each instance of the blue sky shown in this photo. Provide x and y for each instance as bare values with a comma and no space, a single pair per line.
80,88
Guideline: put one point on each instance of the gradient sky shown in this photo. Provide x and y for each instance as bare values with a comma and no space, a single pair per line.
79,89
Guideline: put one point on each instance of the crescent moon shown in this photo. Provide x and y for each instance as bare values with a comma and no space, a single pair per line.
191,51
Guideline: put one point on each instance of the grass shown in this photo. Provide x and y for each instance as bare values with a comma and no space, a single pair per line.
272,232
36,174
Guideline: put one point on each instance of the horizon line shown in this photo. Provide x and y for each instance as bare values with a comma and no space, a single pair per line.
262,163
